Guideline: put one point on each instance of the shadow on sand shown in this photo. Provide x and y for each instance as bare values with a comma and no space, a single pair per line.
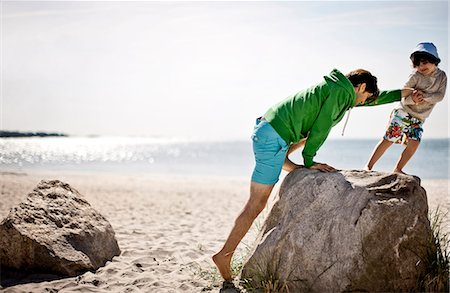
9,277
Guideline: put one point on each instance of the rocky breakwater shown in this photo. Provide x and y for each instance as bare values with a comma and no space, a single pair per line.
55,231
349,231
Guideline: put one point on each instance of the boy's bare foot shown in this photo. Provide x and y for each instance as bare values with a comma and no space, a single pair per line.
223,264
367,168
399,171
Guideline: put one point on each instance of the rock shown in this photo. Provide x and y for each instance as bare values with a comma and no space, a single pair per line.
352,231
55,230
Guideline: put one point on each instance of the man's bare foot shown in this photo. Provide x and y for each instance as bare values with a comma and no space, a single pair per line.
367,168
223,264
399,171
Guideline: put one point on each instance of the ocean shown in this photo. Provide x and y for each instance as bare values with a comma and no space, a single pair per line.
183,157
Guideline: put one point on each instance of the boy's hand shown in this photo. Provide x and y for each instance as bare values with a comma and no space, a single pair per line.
417,97
407,91
322,167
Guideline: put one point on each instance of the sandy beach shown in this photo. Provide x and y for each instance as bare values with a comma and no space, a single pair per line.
167,227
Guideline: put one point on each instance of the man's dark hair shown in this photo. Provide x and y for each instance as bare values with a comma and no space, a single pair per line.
416,57
360,76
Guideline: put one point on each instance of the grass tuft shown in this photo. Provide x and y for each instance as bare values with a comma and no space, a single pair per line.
437,256
266,277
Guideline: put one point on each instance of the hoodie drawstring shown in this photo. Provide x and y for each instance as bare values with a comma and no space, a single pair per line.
346,120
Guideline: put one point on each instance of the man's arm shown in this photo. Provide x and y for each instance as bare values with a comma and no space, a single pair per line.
319,131
385,97
396,95
412,96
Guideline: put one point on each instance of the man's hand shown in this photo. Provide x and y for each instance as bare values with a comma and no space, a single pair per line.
417,97
322,167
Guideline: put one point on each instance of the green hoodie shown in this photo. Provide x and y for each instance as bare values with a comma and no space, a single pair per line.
314,111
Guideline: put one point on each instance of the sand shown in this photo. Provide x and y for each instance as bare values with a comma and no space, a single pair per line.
167,228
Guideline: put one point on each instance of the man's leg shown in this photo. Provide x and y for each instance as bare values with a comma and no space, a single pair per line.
379,150
407,153
259,194
288,165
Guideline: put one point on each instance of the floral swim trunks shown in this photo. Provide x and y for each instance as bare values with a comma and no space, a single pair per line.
402,126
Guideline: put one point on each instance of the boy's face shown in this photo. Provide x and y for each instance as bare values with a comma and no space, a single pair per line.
425,67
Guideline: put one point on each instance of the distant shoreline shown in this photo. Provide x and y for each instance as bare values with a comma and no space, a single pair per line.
29,134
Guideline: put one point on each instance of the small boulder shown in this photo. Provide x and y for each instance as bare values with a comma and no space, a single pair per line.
55,230
349,231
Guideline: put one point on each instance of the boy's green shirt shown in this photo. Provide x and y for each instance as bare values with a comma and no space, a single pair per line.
314,111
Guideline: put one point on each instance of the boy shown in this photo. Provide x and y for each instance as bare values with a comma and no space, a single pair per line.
426,87
306,117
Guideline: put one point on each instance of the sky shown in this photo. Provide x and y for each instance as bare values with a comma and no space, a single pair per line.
201,70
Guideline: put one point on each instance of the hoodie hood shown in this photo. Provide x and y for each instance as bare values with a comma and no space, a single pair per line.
339,83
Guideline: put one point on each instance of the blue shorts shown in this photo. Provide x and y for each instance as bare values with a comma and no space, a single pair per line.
270,152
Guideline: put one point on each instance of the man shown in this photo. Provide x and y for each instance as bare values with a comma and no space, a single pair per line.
304,118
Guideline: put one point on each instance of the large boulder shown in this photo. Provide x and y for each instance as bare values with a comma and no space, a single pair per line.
352,231
55,231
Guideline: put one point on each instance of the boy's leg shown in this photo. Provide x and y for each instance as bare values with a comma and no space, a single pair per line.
259,194
414,135
407,154
379,150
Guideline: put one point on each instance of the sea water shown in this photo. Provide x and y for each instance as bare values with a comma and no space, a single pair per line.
221,158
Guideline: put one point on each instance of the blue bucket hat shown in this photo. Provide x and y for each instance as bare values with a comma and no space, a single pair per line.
428,48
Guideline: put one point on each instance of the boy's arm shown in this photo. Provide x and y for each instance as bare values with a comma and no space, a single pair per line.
433,98
407,94
385,97
408,90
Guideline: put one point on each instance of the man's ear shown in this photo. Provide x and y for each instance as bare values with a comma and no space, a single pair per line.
362,87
